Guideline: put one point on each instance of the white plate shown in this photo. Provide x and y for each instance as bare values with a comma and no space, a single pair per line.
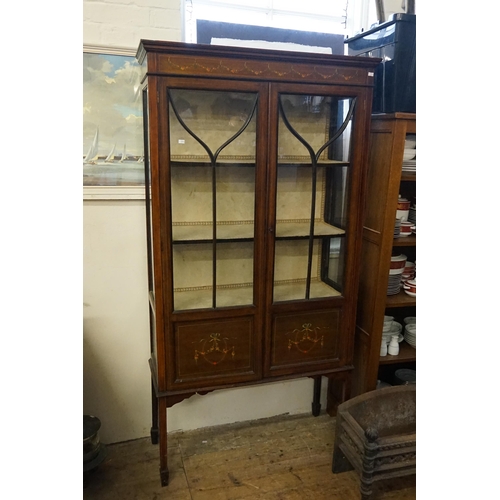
394,284
411,294
396,272
400,339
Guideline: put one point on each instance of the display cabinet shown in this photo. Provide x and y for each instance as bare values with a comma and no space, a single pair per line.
387,180
255,166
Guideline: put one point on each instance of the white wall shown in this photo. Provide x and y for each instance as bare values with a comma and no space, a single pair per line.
122,23
116,380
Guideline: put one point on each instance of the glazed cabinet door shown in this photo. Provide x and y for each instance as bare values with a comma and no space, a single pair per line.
312,210
211,165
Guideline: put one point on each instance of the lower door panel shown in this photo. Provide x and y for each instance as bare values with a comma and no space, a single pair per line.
306,338
210,352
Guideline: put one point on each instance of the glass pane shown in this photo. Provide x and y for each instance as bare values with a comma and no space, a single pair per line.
203,121
193,276
213,140
314,124
335,263
311,196
291,268
234,273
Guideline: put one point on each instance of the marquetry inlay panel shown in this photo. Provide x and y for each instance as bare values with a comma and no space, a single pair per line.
250,69
306,337
213,349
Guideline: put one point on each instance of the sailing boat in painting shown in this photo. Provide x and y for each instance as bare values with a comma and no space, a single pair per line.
111,157
124,154
91,156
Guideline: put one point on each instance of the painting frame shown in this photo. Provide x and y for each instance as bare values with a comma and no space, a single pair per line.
109,189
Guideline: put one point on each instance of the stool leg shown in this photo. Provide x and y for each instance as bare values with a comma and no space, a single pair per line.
371,436
340,462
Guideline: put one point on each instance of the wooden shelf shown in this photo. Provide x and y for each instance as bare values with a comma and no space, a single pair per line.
231,231
409,176
400,300
242,295
405,241
406,354
250,162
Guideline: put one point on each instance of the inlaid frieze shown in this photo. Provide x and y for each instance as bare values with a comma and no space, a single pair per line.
212,66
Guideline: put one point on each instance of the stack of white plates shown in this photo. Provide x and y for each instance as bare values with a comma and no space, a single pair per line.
410,334
392,328
409,166
397,267
412,214
410,141
397,228
410,154
408,272
394,285
409,160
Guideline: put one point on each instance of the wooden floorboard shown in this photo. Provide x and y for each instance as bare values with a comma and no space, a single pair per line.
281,458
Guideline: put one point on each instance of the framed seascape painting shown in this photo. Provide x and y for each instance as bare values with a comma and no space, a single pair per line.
112,120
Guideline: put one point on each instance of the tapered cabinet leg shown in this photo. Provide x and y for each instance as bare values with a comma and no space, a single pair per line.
154,414
316,405
162,422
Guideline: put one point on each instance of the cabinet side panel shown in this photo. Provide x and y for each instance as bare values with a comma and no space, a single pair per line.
383,186
361,362
379,171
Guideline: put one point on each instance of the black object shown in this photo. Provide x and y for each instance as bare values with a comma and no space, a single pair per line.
395,77
405,376
206,30
94,452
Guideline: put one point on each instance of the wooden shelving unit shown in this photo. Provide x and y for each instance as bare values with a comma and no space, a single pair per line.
386,181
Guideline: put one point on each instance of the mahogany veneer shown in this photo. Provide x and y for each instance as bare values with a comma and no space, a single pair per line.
255,164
